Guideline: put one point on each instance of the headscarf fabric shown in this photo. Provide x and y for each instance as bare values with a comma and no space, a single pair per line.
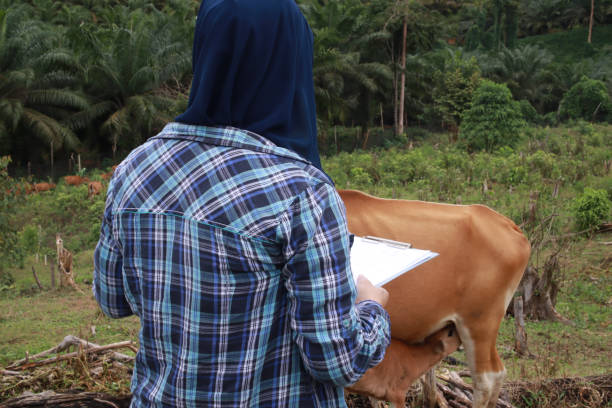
252,69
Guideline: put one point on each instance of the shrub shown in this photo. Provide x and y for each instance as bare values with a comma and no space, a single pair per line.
528,111
10,251
360,177
588,99
29,239
544,163
591,208
454,88
494,119
551,119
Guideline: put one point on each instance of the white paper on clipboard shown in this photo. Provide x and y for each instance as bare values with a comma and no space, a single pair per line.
382,260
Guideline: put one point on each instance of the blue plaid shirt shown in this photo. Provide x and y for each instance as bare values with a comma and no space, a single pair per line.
234,254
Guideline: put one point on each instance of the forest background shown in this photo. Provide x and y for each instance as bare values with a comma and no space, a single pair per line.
500,102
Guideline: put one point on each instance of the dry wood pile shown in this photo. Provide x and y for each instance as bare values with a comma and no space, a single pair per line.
69,400
449,391
582,392
579,392
84,366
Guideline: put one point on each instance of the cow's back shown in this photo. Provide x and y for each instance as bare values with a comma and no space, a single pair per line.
482,257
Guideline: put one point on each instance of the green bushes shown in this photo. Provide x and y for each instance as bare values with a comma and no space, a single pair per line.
494,119
588,99
591,208
453,90
66,211
528,111
10,194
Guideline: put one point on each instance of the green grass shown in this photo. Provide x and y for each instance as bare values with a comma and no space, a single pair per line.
571,46
38,320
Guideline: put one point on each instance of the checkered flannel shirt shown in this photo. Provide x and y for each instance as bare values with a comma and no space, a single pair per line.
234,253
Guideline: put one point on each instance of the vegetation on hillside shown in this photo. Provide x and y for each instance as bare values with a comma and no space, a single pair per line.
98,78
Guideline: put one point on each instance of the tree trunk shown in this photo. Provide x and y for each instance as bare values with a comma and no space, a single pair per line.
52,270
591,21
400,128
52,159
520,335
540,292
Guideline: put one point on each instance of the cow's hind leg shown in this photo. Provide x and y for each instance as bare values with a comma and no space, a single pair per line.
497,378
487,369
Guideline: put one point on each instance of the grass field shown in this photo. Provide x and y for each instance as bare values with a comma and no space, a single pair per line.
32,320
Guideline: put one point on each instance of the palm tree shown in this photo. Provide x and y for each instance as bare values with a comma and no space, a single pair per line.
128,69
344,80
36,93
523,69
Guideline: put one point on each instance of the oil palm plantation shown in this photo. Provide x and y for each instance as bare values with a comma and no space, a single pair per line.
37,89
128,70
524,69
345,78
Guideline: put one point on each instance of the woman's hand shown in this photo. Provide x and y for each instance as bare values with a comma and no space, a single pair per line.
367,291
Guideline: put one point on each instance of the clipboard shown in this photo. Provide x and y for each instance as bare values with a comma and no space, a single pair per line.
382,260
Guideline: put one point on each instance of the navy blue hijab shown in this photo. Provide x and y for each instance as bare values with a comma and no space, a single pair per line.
252,69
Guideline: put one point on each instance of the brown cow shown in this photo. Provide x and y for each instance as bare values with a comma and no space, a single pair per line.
75,180
93,189
482,258
39,187
107,176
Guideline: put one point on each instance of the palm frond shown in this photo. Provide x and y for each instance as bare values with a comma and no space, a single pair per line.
56,97
49,130
10,112
83,118
55,79
142,80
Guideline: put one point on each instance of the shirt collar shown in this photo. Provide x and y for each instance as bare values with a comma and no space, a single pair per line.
226,136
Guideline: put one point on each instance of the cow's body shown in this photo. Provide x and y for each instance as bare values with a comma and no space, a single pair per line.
75,180
40,187
482,258
93,189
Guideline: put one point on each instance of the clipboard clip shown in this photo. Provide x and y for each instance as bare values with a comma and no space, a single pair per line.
390,242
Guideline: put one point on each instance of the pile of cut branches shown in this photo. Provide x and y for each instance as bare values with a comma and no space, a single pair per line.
578,392
583,392
74,364
449,390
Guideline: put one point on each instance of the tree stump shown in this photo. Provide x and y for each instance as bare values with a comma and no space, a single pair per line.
64,264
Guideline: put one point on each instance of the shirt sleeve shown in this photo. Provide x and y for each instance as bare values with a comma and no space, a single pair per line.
108,268
337,339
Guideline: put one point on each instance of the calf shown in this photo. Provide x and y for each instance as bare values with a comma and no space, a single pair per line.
403,365
93,189
482,258
109,175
